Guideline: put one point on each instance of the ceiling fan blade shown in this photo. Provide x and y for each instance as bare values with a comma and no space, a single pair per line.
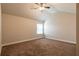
36,3
47,7
39,4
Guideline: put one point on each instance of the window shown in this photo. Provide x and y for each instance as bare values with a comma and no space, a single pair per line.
39,28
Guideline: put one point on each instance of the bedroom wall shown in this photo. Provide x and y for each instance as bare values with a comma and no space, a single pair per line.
62,27
0,28
17,28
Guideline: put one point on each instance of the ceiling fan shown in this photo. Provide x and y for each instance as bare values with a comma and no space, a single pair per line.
45,7
42,6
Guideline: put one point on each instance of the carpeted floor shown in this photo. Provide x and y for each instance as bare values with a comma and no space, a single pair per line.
40,47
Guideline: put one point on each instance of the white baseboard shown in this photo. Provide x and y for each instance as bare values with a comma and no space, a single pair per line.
61,40
39,38
20,41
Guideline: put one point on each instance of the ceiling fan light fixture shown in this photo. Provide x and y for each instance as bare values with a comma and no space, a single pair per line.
41,8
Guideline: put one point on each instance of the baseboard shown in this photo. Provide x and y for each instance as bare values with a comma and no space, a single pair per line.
38,38
61,40
21,41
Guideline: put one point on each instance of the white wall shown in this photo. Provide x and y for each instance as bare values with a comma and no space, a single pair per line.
62,27
0,28
17,28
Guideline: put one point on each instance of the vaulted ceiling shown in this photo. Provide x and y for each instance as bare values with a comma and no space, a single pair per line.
26,9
